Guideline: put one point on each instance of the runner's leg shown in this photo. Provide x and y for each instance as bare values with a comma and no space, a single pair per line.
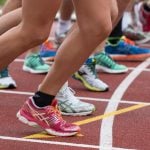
10,20
11,5
34,29
95,25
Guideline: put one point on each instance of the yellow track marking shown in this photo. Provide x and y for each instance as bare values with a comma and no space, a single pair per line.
43,135
114,113
39,135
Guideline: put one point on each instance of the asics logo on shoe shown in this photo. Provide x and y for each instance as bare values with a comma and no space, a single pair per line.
41,116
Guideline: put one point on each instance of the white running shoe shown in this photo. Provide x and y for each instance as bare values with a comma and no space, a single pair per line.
88,76
71,105
6,81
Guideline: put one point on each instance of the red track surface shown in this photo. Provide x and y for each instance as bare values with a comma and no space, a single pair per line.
130,130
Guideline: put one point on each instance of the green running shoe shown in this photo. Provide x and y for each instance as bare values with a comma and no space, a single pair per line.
105,63
34,64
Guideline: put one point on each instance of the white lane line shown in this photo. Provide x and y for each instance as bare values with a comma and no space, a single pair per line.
107,100
82,98
132,68
56,143
16,92
106,136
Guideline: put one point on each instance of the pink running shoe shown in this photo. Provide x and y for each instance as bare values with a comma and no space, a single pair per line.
49,118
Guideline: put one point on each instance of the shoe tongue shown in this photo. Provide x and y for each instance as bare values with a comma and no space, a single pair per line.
54,103
4,73
64,87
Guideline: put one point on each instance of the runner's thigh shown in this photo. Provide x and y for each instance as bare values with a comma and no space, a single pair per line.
122,5
39,12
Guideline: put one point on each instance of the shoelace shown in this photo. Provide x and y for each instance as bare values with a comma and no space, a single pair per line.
106,59
51,109
37,60
91,68
56,111
69,94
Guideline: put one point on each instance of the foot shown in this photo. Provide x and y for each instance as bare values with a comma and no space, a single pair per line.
34,64
49,118
88,76
106,64
6,81
71,105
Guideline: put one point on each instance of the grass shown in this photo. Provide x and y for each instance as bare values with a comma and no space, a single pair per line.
2,2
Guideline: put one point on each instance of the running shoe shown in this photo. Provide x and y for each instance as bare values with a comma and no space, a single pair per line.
34,64
134,35
106,64
88,76
6,81
125,51
71,105
137,36
48,52
59,38
49,118
62,30
143,16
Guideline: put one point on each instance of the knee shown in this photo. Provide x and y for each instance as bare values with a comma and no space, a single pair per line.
103,28
34,35
98,28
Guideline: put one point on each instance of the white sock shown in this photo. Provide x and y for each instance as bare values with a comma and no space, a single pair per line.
127,20
63,26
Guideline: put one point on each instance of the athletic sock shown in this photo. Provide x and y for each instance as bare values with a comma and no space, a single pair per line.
63,26
116,34
42,99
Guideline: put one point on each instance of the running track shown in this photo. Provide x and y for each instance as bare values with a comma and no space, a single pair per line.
120,122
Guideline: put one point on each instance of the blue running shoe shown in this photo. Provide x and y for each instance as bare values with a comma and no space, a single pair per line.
48,52
125,51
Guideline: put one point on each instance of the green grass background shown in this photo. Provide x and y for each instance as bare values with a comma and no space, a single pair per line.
2,2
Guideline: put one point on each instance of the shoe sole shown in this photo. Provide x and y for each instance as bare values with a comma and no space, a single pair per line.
106,70
140,57
25,121
77,114
27,69
48,60
77,77
10,86
49,131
